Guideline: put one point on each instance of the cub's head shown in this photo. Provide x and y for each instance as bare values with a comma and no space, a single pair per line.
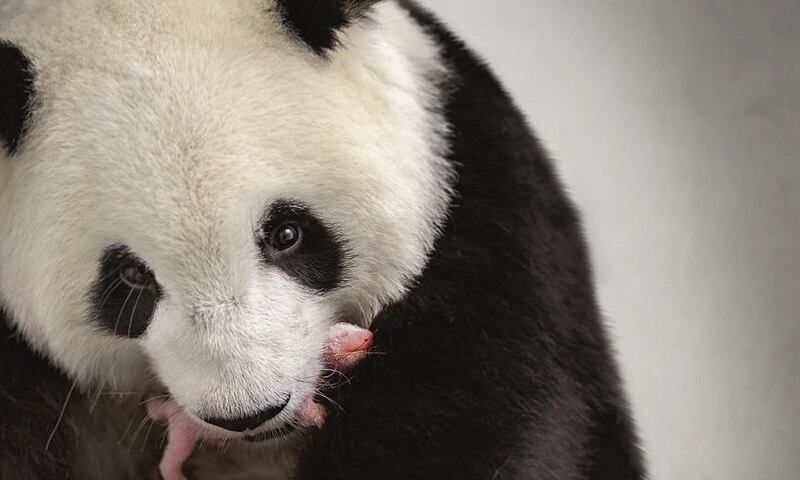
193,192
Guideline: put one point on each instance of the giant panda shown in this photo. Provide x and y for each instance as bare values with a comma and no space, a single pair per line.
194,194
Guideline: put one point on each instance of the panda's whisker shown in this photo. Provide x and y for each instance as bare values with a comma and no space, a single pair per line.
147,435
325,382
325,379
147,400
96,398
163,439
122,309
127,429
332,401
61,415
138,430
332,372
107,293
133,312
312,379
326,386
110,274
342,376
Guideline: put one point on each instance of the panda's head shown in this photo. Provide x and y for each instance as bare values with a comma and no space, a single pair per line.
193,192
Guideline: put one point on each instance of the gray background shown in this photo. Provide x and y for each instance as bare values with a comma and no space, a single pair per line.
676,126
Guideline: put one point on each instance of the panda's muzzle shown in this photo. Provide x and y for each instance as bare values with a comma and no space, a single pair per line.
251,422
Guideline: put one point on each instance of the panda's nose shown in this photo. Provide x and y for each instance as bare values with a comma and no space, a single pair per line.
251,422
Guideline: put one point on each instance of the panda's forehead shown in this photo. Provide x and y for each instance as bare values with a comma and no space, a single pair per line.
83,26
207,95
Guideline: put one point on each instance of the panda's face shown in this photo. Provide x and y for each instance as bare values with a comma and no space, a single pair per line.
199,196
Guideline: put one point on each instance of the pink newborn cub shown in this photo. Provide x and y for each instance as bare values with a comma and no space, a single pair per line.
347,345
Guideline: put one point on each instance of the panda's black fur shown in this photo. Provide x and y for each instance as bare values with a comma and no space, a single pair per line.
495,366
16,99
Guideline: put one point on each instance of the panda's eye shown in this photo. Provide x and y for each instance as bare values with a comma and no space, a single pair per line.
136,275
286,237
292,239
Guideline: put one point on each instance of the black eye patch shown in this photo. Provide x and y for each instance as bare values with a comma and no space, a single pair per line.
317,261
16,94
125,294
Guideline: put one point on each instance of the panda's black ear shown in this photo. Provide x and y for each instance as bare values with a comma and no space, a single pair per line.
317,22
16,94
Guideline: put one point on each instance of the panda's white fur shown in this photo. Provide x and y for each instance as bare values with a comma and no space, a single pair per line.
170,127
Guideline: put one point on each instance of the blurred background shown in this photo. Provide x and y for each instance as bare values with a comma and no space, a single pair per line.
676,128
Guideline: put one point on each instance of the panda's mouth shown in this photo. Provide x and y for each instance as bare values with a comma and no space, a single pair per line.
347,345
184,427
